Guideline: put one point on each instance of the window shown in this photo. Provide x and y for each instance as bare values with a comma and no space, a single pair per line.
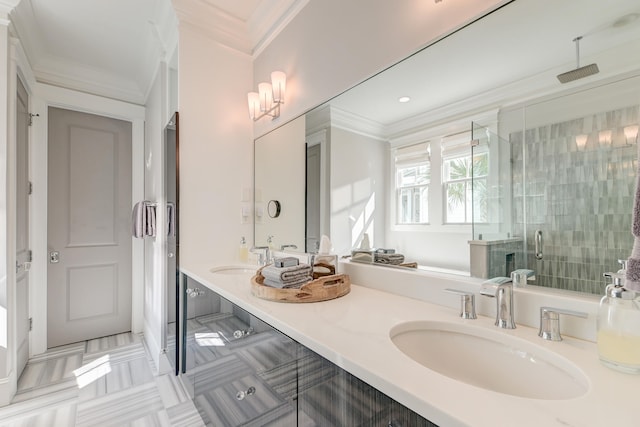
460,198
413,175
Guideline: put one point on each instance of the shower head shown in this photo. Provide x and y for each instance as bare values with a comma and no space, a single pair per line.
579,72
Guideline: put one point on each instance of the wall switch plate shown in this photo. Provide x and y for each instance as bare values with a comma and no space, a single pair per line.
245,214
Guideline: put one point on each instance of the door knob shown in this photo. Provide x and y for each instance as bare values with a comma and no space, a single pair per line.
54,257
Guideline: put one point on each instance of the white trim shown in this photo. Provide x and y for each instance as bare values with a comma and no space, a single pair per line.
354,123
320,137
263,31
43,97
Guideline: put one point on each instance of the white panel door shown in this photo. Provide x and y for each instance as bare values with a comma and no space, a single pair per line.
23,254
89,239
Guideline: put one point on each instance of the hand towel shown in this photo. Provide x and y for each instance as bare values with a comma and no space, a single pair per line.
391,259
632,281
151,220
171,219
289,285
138,226
287,275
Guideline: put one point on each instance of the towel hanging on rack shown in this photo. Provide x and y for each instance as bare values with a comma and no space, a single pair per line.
143,219
171,219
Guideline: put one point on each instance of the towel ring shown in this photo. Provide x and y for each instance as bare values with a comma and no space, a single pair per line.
273,208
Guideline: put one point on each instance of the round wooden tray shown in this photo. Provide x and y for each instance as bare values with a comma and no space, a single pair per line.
322,289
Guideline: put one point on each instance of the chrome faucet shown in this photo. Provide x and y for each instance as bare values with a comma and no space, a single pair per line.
264,254
285,247
501,288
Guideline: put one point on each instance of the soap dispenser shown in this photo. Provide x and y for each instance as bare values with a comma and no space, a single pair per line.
618,327
243,251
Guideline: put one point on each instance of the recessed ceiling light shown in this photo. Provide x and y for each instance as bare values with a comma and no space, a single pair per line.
404,99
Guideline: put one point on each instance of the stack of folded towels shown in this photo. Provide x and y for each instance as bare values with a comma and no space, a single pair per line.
292,277
388,256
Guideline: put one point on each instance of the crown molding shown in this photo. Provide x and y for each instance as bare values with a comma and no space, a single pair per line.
318,120
249,37
269,19
6,7
214,23
54,71
353,123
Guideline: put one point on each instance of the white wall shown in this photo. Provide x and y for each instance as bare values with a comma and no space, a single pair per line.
280,158
216,148
358,189
331,45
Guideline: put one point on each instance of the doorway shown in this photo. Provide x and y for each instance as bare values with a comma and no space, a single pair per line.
88,222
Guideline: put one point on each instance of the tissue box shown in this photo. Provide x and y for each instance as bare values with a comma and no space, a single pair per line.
324,265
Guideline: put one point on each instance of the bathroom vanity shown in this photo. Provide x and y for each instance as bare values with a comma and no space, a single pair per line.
374,342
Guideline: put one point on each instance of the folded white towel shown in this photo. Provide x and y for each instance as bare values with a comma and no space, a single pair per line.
171,219
138,220
289,285
151,220
287,275
392,259
143,219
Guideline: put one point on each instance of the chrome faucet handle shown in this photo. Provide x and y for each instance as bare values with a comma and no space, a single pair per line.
521,276
501,288
550,322
467,303
263,254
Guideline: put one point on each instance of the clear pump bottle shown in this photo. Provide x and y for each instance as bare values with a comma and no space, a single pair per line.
243,251
618,327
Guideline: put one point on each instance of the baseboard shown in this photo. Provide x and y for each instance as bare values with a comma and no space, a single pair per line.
8,387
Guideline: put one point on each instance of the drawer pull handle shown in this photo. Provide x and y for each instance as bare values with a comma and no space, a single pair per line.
242,394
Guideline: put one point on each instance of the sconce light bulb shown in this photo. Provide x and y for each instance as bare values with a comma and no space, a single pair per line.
266,96
604,137
631,133
253,99
581,141
279,84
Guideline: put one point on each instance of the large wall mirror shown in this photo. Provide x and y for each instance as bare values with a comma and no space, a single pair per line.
475,139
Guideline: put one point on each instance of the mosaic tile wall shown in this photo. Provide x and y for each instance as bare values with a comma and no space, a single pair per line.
581,198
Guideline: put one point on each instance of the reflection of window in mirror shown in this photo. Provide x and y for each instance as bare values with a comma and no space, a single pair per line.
413,176
459,166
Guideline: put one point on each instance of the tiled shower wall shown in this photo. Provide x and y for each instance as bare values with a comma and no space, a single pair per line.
580,198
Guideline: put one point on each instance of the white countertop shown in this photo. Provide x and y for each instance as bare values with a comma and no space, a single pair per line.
353,332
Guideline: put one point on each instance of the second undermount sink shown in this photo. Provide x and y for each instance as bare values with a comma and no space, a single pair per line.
234,269
490,359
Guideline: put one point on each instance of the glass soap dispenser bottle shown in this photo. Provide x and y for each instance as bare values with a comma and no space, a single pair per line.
618,327
243,251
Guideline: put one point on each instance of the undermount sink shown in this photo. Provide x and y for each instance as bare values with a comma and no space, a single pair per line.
234,269
490,359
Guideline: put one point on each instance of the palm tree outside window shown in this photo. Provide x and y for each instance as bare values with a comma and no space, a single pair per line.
461,197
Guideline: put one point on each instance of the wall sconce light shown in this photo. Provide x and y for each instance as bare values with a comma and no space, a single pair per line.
267,101
604,137
581,141
631,134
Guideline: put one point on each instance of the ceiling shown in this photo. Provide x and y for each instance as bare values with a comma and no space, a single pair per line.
514,53
112,47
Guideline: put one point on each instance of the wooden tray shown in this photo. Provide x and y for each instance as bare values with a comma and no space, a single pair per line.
321,289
